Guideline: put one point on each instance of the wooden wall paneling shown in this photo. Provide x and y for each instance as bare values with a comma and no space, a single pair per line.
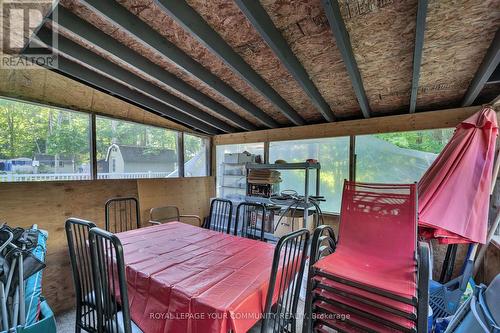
191,195
49,204
406,122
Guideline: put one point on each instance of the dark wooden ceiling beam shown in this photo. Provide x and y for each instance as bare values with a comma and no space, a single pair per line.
96,37
88,77
130,23
487,67
337,25
190,20
417,53
259,18
106,67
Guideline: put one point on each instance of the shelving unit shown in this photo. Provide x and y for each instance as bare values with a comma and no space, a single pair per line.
306,166
238,190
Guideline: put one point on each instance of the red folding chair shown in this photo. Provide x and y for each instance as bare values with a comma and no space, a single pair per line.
372,273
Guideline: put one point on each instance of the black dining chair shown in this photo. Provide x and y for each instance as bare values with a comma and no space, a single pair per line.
122,214
290,254
251,216
77,234
109,276
221,215
323,243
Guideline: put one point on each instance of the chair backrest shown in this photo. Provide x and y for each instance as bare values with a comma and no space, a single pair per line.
122,214
164,214
282,298
109,275
221,215
77,234
323,243
251,217
372,213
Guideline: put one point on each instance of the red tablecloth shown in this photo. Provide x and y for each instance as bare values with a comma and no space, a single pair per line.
183,278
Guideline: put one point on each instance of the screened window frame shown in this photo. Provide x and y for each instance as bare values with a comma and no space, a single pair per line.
93,144
351,148
208,151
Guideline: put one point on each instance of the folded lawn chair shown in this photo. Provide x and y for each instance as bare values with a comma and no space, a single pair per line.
372,273
22,256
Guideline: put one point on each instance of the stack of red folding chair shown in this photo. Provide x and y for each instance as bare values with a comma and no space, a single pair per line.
373,279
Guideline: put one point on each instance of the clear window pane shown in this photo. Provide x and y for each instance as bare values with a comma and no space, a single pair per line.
333,155
40,143
398,157
131,150
195,156
231,177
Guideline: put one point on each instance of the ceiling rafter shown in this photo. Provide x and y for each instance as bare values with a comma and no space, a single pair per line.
190,20
84,75
487,67
337,25
96,37
259,18
417,53
94,61
130,23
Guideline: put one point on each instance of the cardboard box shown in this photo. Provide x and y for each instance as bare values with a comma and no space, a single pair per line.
287,224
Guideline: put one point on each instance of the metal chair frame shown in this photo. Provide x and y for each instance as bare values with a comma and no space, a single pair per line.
175,217
217,220
77,234
109,268
294,247
422,300
243,215
113,202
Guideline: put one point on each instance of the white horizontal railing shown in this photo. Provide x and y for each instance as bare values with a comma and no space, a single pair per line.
33,177
133,175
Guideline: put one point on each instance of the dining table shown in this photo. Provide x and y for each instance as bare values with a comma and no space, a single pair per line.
183,278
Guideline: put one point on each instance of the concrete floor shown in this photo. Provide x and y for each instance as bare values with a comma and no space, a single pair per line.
65,322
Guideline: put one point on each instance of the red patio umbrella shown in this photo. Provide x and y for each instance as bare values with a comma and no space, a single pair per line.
454,192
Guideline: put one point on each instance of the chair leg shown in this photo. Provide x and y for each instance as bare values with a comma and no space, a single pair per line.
423,287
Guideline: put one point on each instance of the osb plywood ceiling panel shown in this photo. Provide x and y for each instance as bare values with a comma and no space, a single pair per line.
154,16
229,22
381,32
85,13
304,26
458,33
382,36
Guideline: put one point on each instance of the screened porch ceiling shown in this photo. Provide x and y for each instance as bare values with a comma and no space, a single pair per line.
225,66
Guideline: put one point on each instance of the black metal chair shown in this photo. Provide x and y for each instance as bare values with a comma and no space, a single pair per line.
323,243
289,261
251,217
221,215
77,233
109,275
122,214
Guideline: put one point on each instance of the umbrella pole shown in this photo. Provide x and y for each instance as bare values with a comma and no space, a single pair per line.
22,304
496,223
